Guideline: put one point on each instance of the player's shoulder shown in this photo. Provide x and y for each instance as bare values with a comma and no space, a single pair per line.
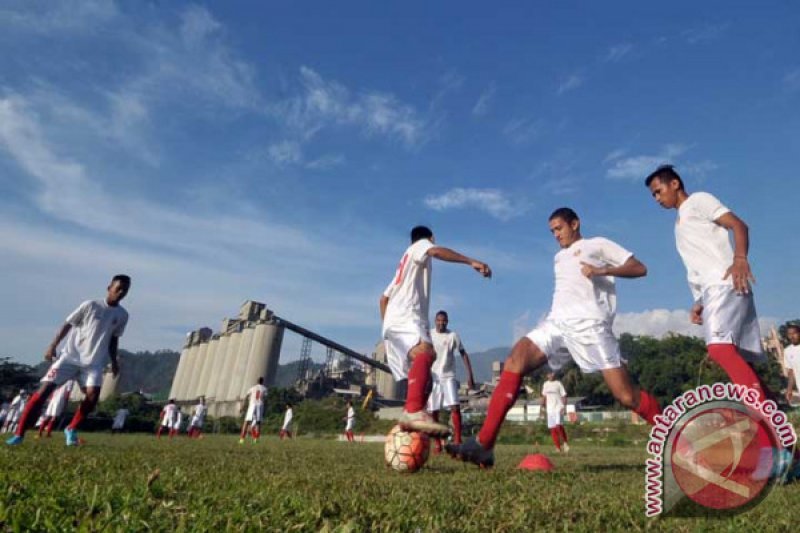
700,198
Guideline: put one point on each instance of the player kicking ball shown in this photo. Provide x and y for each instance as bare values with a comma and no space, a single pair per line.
578,326
255,411
719,276
91,338
406,328
444,392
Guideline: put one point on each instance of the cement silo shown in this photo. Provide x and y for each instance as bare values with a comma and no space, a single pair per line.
109,386
192,391
208,363
188,372
226,370
264,354
176,378
385,384
240,364
219,357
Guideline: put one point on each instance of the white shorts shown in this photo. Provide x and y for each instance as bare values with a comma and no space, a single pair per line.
197,422
398,341
118,424
351,423
590,343
444,393
54,409
63,370
554,419
255,413
730,318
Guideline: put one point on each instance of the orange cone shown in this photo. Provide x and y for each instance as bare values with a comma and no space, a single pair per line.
537,462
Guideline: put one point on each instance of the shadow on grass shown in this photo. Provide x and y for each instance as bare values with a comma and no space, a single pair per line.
613,468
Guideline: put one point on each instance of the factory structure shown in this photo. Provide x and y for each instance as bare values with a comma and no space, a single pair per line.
222,366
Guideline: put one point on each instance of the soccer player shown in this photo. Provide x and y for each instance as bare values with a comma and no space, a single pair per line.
168,415
719,276
176,423
350,421
578,326
119,420
444,392
406,330
55,407
198,418
255,411
791,360
91,337
14,409
286,429
554,401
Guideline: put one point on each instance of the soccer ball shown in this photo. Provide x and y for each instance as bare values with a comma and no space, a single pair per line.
406,451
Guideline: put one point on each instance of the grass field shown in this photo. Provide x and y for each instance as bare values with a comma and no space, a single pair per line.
135,483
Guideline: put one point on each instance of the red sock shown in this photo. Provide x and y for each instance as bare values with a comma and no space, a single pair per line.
83,409
455,418
739,372
502,399
42,426
243,433
30,407
554,434
648,407
419,377
158,433
563,433
256,432
50,426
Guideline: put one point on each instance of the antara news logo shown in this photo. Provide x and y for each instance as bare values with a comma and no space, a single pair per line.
716,449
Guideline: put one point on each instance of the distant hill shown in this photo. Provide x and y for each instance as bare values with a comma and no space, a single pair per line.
481,363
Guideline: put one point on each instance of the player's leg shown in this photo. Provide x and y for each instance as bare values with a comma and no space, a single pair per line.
525,357
43,425
449,394
91,396
245,427
50,425
34,405
639,401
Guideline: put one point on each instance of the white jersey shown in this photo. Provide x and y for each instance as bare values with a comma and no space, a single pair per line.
409,292
351,414
200,411
17,406
554,392
169,414
256,394
702,243
446,345
578,297
93,323
58,400
287,419
791,359
178,420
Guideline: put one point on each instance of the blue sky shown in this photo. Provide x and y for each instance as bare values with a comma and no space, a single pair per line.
281,151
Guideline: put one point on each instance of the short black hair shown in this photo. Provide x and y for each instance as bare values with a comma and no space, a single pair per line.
664,174
288,404
443,313
564,213
122,278
793,326
261,381
420,232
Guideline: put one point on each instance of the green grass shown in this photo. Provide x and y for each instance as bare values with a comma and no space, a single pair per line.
310,485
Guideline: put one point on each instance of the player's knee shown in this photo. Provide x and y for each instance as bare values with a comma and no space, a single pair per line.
626,399
523,358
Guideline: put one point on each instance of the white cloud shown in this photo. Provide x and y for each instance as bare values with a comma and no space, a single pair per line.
492,201
326,103
481,107
325,162
523,130
285,153
637,167
617,52
63,16
615,154
570,83
705,33
656,323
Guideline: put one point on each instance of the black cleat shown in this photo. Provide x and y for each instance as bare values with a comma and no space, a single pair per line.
473,452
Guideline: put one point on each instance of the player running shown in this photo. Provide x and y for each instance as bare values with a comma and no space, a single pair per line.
554,402
444,392
719,276
350,422
169,415
255,411
91,337
286,428
578,326
198,418
404,311
791,360
55,407
16,407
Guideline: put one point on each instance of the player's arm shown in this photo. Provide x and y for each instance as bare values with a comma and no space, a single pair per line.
632,268
451,256
382,303
50,353
790,386
739,271
113,346
468,366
